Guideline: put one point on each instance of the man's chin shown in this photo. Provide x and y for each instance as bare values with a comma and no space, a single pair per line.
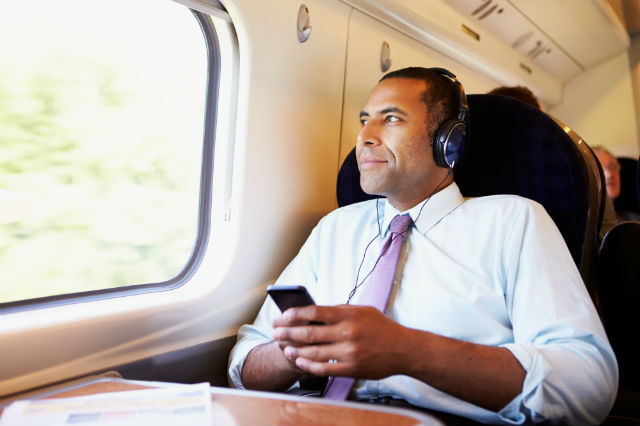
373,191
374,184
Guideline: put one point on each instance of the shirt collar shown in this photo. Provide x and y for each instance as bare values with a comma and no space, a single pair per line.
438,206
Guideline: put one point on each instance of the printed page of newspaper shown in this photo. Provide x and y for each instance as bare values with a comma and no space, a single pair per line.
180,405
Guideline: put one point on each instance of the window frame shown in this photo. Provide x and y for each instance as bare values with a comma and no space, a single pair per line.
205,199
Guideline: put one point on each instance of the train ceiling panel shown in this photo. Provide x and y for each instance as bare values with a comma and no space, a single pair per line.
562,37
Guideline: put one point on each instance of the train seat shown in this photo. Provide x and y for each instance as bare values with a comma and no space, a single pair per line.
619,290
626,205
514,148
638,184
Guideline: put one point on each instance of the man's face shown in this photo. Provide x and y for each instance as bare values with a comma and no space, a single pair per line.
611,169
393,149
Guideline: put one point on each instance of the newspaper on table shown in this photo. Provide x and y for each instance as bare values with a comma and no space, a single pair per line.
179,405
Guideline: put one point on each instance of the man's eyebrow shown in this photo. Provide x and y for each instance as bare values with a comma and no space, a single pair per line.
393,109
385,111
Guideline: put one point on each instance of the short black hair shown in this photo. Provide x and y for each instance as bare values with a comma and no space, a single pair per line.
517,92
441,95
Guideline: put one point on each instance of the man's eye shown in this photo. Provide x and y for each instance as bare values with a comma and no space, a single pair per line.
363,121
391,118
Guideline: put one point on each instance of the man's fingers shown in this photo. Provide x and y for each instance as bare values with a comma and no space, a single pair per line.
310,313
314,353
323,368
305,334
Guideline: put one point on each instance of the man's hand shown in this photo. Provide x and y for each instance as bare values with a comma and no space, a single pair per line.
354,341
365,344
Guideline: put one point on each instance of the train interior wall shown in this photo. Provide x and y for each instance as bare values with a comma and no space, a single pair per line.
602,104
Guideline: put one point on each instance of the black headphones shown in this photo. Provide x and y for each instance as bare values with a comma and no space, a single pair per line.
451,136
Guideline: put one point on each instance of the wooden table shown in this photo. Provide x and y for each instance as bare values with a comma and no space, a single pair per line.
234,407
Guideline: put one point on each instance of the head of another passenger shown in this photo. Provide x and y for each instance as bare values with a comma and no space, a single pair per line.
395,144
611,169
517,92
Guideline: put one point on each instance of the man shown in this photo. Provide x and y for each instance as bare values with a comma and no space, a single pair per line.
487,318
615,211
521,93
611,169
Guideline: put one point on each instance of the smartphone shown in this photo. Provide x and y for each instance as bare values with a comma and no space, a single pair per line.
289,296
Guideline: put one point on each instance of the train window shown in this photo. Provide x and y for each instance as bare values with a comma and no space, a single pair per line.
102,123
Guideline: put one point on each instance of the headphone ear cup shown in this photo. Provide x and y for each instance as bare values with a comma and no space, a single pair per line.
449,142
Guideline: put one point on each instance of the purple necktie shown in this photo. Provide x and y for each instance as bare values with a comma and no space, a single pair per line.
376,292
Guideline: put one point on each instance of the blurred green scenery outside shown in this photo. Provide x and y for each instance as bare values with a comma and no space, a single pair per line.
101,124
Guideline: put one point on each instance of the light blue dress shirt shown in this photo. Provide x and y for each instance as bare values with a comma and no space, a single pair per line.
489,270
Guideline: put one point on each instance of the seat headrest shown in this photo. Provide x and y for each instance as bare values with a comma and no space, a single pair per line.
627,201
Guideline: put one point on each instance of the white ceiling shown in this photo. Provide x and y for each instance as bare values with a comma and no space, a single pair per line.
563,37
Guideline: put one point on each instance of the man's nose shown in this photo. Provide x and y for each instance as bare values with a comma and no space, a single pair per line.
368,134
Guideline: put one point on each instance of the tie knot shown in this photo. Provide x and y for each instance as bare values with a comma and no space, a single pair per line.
400,223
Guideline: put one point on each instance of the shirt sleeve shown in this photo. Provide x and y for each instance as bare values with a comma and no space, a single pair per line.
250,336
301,271
571,370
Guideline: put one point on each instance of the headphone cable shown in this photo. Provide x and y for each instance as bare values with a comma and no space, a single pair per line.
358,285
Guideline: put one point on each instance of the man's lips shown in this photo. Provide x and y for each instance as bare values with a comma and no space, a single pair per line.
367,163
